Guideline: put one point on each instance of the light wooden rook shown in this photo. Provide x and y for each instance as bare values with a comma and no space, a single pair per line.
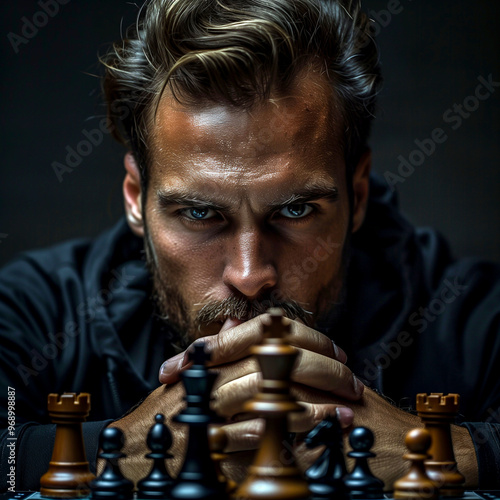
437,413
68,475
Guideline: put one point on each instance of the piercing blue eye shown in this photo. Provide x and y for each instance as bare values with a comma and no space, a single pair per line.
296,211
199,213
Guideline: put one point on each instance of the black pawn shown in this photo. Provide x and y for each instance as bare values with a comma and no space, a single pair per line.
361,483
198,476
325,476
157,483
111,483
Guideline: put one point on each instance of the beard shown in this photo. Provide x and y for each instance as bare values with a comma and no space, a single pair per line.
192,321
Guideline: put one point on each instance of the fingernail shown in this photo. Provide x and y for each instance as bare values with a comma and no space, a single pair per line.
336,349
172,365
339,353
342,356
359,387
345,416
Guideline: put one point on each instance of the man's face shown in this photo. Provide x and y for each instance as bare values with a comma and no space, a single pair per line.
247,208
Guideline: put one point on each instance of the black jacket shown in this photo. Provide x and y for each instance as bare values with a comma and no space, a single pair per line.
78,317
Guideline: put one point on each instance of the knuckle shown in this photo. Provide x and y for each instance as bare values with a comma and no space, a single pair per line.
251,383
220,346
208,343
315,414
322,344
339,372
299,359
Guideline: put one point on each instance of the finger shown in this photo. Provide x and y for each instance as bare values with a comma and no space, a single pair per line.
235,371
326,374
313,414
229,398
170,369
315,341
230,323
324,345
232,343
246,435
306,338
318,376
236,339
242,436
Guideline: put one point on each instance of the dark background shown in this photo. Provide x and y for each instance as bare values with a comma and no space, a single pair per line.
432,55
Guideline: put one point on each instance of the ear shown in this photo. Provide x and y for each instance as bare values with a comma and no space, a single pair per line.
132,195
361,189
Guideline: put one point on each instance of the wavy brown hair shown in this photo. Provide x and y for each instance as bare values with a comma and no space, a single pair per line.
239,52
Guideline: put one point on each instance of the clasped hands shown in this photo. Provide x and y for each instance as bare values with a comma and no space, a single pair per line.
318,376
321,383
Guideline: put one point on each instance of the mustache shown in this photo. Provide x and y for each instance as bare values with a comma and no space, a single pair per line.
244,309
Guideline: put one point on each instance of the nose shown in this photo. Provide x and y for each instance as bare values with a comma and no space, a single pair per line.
249,266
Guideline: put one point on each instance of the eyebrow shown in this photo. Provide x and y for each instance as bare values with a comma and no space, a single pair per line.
317,192
308,193
167,199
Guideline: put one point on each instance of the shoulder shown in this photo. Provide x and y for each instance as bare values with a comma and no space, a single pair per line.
84,259
40,287
55,306
406,290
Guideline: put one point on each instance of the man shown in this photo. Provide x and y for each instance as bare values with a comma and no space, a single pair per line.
247,183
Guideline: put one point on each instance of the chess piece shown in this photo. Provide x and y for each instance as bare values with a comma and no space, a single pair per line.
326,475
111,484
157,484
437,413
416,484
198,477
217,440
68,475
361,483
270,476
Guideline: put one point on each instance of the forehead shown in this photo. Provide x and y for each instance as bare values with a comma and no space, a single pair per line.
298,131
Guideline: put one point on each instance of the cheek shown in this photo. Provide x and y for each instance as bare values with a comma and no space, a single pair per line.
308,268
189,264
